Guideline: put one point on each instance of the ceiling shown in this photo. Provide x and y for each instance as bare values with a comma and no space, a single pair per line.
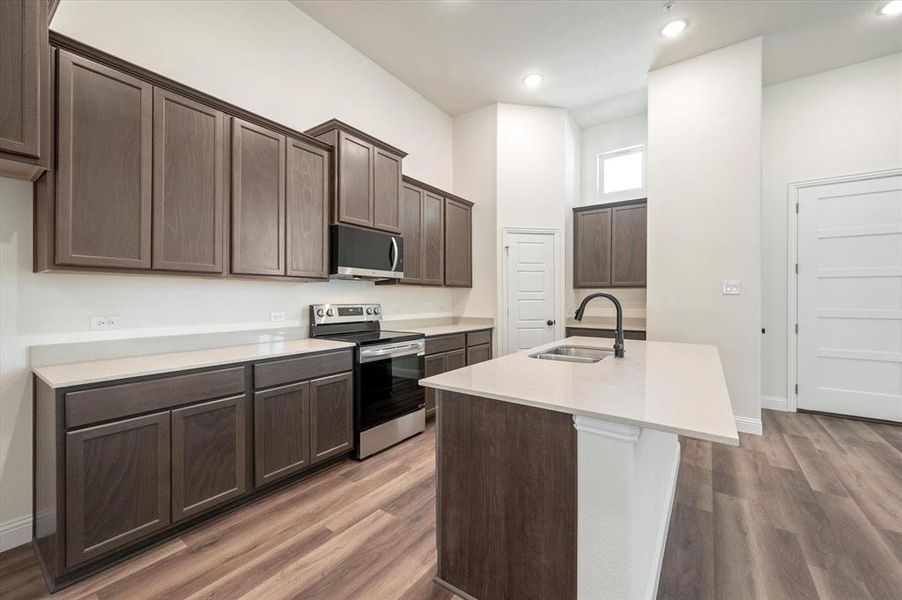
594,56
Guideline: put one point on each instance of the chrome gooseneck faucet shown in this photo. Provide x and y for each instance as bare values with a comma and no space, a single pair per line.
618,334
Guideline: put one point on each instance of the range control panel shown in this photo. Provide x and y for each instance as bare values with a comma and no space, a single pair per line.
322,314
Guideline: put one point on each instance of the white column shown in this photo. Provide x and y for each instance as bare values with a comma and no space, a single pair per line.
626,479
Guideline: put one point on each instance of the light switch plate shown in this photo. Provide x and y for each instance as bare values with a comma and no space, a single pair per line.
730,287
104,322
277,317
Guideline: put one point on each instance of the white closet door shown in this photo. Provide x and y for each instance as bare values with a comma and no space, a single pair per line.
850,298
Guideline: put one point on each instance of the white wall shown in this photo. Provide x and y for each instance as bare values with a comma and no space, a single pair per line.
835,123
704,210
595,140
268,57
535,145
475,166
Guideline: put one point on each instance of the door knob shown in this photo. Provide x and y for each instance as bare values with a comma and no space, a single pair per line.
549,322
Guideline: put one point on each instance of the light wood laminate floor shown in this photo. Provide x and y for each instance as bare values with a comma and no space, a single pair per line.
812,509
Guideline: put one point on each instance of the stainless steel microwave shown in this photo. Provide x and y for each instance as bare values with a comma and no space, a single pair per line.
357,253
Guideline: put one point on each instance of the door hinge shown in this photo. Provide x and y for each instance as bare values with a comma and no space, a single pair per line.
797,268
797,389
797,208
797,329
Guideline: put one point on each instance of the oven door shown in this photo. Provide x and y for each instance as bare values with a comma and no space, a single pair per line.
388,382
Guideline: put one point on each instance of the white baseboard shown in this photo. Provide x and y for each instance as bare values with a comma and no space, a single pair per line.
749,425
15,532
664,526
775,403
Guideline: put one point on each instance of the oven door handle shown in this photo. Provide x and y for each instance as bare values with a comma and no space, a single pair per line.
371,354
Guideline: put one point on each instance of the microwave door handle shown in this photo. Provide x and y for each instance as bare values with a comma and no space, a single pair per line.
394,254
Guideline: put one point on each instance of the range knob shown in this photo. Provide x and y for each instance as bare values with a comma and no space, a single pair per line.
320,312
369,310
330,312
376,311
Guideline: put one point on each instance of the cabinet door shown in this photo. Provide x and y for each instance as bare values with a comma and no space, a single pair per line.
457,359
331,416
208,455
258,200
458,244
355,181
628,245
592,248
478,354
307,214
411,231
281,432
104,166
188,184
434,365
386,191
433,239
117,485
23,30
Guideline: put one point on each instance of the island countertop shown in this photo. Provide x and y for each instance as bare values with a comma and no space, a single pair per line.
666,386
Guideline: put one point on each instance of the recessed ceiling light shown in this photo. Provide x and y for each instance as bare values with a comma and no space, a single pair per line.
532,80
892,8
674,28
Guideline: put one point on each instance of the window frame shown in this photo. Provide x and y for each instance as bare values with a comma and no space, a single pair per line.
599,171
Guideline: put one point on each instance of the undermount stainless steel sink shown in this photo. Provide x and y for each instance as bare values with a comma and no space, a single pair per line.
577,354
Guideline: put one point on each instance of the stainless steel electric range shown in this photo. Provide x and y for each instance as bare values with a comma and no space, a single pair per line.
389,404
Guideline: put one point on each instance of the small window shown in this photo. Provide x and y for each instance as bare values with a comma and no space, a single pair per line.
621,170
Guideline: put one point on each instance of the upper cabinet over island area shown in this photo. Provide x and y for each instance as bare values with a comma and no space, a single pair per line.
147,175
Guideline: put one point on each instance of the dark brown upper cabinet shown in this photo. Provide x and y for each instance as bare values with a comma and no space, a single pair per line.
331,416
188,184
609,245
629,246
411,231
117,485
281,432
433,248
307,210
367,177
103,184
24,89
209,460
258,200
422,220
458,243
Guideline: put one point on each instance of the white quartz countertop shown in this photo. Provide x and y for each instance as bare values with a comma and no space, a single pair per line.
80,373
434,330
629,323
666,386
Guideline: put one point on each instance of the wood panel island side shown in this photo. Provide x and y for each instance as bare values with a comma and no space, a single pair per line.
555,479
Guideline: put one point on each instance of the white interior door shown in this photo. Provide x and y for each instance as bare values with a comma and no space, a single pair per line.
850,297
530,302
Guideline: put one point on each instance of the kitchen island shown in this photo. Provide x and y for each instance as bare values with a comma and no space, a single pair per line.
555,479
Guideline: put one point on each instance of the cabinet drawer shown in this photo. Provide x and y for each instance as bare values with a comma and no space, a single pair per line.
116,401
475,338
279,372
444,343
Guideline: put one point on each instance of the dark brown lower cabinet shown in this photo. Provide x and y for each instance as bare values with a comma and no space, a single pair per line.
478,354
208,455
460,355
117,485
281,432
331,416
604,333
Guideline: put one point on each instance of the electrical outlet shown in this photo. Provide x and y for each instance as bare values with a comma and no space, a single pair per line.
730,287
277,317
104,322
